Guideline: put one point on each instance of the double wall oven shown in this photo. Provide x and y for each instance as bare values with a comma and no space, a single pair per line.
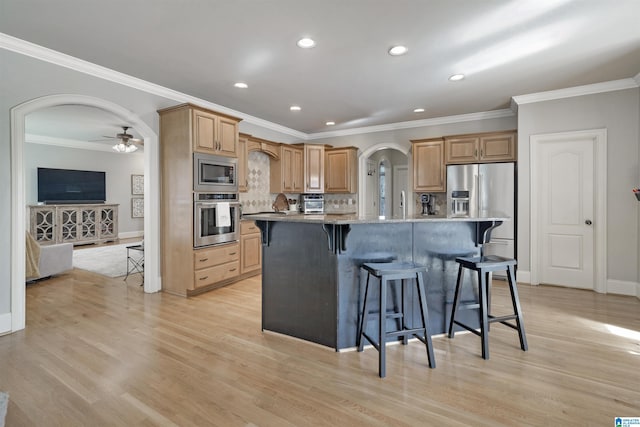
216,209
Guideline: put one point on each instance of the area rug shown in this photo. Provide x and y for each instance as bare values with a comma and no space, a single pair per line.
4,401
108,260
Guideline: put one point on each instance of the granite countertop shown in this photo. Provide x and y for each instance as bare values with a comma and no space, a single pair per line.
339,219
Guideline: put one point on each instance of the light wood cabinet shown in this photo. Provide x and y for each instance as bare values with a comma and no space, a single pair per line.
214,133
481,148
250,249
429,171
243,164
215,265
185,129
78,224
313,168
287,171
341,170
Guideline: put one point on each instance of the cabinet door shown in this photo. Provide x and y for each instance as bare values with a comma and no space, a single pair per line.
108,222
227,137
68,219
251,257
204,129
462,149
287,170
499,147
340,170
243,166
88,224
428,165
43,224
314,168
297,167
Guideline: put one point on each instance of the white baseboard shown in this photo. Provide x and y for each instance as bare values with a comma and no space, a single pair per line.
523,276
623,288
130,234
5,323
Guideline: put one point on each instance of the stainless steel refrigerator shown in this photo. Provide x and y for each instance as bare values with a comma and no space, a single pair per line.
490,189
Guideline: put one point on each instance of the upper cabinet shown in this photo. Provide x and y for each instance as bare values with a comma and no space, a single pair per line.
287,171
481,148
428,165
341,170
313,168
215,133
243,163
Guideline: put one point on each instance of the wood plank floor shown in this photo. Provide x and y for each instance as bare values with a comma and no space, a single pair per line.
99,352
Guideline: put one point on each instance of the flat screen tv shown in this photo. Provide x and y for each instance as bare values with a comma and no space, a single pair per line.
70,186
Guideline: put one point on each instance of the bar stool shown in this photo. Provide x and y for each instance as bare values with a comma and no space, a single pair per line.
484,265
386,272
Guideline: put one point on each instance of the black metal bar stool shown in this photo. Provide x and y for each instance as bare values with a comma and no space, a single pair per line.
484,265
386,272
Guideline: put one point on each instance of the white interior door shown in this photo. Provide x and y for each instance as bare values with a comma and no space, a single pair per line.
566,212
400,174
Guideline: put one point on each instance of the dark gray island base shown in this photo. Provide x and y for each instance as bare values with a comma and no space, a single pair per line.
311,284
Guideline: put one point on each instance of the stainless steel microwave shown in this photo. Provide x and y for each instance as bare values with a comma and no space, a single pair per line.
214,174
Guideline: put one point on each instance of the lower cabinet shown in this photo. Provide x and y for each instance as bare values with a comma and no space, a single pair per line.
222,265
216,265
250,248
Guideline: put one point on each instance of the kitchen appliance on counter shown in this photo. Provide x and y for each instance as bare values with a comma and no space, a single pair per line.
216,219
214,174
481,189
428,204
312,203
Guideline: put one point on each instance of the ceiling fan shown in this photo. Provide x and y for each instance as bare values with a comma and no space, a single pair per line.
127,144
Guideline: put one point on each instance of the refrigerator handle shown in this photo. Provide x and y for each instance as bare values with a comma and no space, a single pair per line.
478,194
480,191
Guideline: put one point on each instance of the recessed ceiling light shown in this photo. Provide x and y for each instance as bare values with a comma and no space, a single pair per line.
241,85
330,123
419,110
456,77
295,108
398,50
306,43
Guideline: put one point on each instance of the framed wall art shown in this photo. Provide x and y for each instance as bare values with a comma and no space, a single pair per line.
137,207
137,184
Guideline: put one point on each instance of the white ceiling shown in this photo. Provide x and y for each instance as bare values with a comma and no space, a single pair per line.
202,47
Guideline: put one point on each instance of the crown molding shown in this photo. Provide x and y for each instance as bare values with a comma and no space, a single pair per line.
570,92
637,79
72,143
483,115
54,57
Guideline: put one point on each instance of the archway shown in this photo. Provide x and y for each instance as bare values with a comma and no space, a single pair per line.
151,194
362,168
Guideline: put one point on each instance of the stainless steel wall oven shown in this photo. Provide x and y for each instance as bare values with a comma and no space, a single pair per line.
216,219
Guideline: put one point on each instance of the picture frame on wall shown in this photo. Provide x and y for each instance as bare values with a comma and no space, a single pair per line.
137,207
137,184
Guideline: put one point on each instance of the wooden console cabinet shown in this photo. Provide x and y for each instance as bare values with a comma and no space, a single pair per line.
79,224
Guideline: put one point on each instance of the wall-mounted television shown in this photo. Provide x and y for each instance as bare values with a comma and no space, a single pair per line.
60,186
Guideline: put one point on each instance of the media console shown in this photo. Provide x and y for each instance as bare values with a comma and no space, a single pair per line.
78,223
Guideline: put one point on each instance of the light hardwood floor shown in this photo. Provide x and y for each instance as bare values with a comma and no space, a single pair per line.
97,351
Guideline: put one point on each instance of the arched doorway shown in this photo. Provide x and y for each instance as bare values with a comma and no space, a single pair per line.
368,177
18,226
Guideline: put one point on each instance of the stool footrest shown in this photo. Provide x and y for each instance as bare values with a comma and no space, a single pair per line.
468,328
501,319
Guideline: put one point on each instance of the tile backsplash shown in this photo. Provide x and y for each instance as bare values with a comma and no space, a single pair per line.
259,199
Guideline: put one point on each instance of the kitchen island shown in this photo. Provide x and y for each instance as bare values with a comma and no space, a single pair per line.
312,286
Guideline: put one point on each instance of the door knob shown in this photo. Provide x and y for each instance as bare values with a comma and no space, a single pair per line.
588,222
